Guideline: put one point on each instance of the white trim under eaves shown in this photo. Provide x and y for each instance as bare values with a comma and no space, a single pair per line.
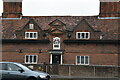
11,18
108,17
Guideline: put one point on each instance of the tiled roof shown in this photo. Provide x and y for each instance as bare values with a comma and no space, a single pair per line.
108,27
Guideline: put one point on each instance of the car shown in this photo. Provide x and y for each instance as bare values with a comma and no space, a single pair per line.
17,71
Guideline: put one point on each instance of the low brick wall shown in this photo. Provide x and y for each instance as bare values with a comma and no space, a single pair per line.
79,70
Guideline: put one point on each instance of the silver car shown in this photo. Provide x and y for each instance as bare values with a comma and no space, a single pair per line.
17,71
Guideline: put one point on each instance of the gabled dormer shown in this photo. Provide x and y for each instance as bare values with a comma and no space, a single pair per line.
57,27
30,30
85,31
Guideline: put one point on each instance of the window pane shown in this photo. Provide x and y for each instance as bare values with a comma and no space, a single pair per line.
31,35
83,35
86,59
30,59
82,59
86,35
27,58
78,35
13,67
27,35
78,59
35,59
31,26
35,35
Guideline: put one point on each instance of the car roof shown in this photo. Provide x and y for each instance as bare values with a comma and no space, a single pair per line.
10,62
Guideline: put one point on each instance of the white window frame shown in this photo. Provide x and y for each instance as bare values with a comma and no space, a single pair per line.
32,59
81,35
58,44
84,60
32,36
31,26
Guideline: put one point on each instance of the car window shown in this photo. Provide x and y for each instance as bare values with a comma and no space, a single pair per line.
13,67
3,66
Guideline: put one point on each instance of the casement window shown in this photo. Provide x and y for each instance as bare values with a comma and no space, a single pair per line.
56,43
31,59
31,26
82,35
82,60
31,35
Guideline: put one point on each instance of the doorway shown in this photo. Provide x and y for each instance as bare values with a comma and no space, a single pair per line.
56,59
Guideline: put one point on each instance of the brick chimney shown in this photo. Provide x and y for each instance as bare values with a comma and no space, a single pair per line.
12,9
109,8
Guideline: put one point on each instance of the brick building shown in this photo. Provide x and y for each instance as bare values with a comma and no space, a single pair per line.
78,40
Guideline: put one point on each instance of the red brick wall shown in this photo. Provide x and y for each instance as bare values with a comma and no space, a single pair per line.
12,7
99,54
11,52
95,59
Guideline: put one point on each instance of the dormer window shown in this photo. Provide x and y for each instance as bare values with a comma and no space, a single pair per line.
56,43
31,26
82,35
31,35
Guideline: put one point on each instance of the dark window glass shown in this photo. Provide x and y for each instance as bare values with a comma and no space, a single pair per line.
78,59
27,35
35,59
86,59
78,35
82,59
86,35
83,35
30,59
31,35
27,58
13,67
35,35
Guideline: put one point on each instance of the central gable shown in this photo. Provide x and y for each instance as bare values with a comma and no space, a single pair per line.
57,27
57,23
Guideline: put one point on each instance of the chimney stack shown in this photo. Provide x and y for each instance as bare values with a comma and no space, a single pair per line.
12,9
109,8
